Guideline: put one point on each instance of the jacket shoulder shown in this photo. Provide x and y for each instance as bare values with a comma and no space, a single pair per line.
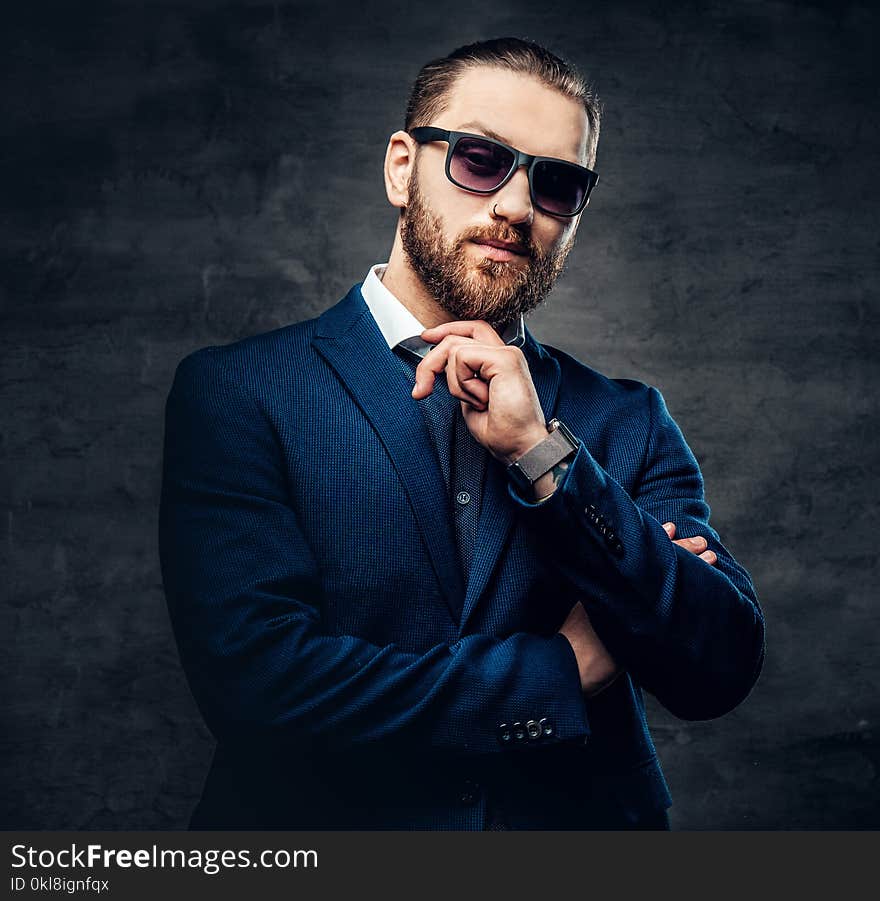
279,357
255,361
584,383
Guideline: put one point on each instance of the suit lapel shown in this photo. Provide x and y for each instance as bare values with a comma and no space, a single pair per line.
497,511
349,339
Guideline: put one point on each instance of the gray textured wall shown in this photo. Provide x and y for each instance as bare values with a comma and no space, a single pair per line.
186,173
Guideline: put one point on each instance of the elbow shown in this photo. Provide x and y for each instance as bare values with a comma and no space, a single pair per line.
718,682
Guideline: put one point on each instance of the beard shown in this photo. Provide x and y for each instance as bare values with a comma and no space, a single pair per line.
494,290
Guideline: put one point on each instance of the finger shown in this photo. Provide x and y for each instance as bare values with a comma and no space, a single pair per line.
433,363
478,391
477,329
670,528
466,377
424,383
709,556
469,358
696,544
485,360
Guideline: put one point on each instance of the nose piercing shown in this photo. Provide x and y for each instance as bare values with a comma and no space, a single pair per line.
493,209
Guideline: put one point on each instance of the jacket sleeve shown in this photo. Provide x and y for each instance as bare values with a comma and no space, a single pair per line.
690,632
244,594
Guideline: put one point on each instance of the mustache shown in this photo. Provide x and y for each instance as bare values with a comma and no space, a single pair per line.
510,236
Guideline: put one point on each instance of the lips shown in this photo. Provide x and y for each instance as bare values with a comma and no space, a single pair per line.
503,245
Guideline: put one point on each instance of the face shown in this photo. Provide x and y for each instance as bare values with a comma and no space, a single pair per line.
442,226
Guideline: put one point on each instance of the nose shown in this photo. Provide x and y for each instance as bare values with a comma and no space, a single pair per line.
513,202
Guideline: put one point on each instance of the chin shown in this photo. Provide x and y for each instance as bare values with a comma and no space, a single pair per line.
497,268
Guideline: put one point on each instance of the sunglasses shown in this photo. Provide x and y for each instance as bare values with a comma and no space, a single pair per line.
483,165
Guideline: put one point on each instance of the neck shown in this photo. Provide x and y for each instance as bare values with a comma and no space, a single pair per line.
406,286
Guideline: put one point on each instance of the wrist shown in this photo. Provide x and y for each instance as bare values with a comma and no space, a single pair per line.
531,440
545,487
538,470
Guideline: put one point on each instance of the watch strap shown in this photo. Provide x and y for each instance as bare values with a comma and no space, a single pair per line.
534,463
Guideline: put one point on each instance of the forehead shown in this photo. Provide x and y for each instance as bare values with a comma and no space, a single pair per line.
519,110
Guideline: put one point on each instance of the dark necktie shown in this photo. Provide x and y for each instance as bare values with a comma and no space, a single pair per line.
462,460
463,464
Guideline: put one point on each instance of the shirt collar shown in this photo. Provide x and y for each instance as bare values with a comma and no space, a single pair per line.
400,327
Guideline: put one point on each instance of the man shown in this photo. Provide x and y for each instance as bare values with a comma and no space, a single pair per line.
420,567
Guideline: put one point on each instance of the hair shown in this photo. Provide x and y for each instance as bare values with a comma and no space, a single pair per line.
431,88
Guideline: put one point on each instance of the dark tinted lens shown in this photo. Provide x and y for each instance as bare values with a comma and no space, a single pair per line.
559,188
479,165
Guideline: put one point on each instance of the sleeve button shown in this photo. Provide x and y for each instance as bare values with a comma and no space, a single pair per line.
547,727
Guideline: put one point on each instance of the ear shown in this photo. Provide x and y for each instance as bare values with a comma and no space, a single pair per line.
400,158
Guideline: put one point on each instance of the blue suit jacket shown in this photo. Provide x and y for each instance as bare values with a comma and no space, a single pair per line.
351,677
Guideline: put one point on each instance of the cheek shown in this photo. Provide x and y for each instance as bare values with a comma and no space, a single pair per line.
552,236
460,213
452,205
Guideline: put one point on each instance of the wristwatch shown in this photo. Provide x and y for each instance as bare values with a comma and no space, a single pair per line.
527,469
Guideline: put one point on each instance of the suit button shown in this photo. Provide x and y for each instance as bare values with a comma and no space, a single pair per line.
548,727
463,498
533,730
504,735
470,793
616,546
519,732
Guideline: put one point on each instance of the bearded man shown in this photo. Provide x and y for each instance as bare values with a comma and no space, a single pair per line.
420,566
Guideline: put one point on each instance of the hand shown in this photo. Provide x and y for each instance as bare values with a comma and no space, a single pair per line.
694,545
596,666
492,379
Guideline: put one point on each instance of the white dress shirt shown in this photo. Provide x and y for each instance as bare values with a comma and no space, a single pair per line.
397,323
393,318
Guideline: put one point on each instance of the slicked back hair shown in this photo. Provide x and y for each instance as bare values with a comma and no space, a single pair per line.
430,91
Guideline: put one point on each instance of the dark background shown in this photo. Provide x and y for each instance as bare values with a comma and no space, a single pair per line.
189,173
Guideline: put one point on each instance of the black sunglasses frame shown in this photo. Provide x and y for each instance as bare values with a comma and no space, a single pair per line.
425,134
